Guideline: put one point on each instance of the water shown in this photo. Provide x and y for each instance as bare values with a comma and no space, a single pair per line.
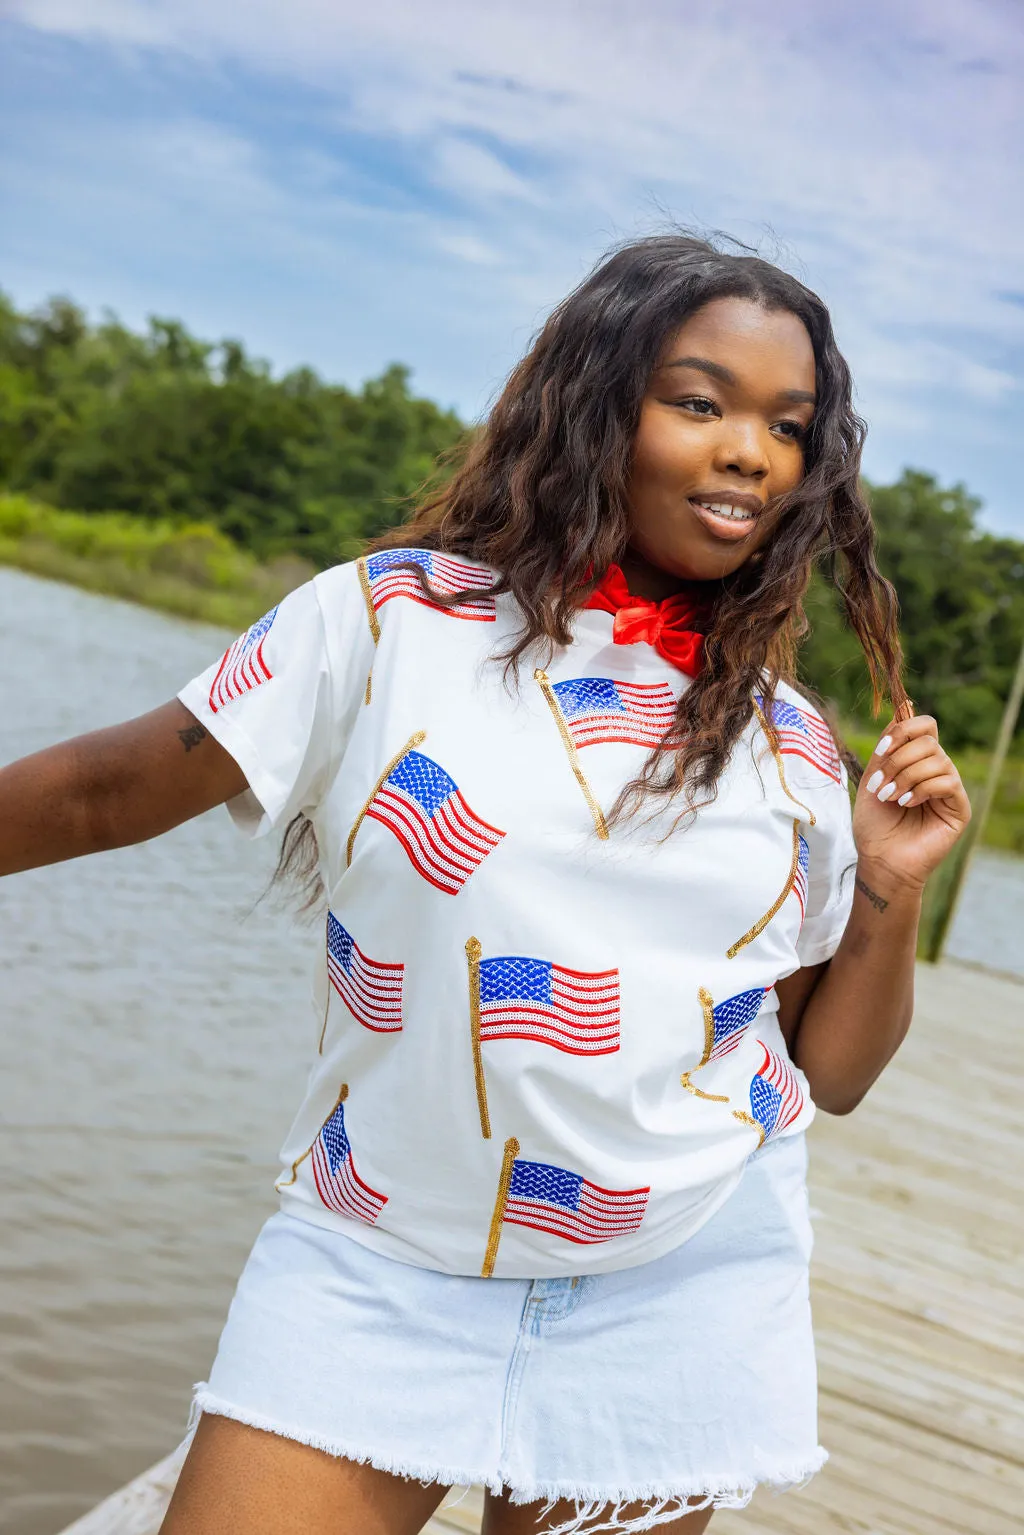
154,1040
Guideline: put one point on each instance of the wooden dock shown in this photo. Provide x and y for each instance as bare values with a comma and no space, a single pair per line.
918,1289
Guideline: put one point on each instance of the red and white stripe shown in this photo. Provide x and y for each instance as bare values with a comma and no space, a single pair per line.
817,748
800,890
241,669
446,576
778,1073
601,1214
651,709
372,991
582,1020
445,848
344,1191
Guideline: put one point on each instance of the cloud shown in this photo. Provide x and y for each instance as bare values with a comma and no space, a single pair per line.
480,156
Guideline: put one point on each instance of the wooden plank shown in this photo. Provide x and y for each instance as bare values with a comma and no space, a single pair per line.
917,1288
462,1510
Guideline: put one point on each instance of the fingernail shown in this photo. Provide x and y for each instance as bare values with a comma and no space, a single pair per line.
883,746
905,799
887,792
874,781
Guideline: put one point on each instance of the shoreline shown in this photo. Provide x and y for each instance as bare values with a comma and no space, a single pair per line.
195,572
190,571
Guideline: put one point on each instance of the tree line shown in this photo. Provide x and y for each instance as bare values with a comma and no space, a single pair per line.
166,427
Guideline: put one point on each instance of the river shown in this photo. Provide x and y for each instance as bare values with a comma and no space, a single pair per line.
155,1033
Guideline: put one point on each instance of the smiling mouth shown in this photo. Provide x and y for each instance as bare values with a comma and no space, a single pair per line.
726,509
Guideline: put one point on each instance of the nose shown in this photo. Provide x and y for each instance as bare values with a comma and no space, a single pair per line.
742,448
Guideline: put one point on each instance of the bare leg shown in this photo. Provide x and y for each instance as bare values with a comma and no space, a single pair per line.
238,1480
504,1518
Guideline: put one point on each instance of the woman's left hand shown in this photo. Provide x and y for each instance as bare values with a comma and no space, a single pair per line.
911,805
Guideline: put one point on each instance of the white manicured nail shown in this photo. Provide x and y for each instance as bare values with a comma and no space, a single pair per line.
874,781
883,746
905,799
887,792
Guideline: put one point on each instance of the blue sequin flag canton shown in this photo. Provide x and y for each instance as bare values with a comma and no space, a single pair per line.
335,1140
541,1180
733,1015
515,978
387,559
423,780
339,942
584,695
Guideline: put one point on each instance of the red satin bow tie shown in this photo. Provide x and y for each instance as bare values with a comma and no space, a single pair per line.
667,625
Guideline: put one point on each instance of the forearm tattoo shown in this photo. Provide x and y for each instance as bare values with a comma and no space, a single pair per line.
192,735
877,901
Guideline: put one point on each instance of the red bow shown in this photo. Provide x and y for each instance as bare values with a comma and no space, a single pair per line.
667,625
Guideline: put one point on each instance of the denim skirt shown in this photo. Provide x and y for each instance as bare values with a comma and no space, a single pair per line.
692,1376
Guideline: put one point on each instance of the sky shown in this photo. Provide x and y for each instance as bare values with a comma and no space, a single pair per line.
347,186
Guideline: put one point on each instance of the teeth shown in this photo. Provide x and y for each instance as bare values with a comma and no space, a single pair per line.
725,509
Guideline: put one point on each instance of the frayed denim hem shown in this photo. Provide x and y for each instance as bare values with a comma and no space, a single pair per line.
662,1503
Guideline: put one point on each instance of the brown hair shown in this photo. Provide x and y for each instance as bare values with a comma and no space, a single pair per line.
542,497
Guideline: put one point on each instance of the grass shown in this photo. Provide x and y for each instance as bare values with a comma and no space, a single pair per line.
193,571
1005,826
1004,829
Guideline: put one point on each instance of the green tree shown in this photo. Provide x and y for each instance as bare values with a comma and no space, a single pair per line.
173,429
961,595
165,426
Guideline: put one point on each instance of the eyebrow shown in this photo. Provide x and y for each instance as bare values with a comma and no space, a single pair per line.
726,376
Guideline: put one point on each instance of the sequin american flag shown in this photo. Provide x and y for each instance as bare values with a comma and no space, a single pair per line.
369,988
803,864
730,1021
803,734
339,1185
599,709
575,1010
242,665
775,1095
548,1198
445,574
445,840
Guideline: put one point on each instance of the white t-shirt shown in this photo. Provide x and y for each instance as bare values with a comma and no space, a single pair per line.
542,1049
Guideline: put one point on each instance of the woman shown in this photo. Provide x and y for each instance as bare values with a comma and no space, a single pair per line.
600,932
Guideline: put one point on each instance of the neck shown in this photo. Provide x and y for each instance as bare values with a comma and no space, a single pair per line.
650,581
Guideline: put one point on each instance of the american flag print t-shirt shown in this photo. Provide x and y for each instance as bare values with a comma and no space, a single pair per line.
545,1040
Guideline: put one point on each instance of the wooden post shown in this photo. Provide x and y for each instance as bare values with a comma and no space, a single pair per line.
972,836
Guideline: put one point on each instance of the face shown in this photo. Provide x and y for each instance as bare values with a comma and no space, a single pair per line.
721,434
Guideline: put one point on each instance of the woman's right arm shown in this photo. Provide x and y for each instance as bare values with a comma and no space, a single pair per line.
111,788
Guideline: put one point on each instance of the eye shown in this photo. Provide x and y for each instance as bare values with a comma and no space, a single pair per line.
698,404
796,431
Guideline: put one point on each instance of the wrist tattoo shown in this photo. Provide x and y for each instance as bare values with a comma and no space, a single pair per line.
877,901
192,735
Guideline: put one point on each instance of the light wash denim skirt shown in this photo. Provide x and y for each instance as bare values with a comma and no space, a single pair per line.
692,1376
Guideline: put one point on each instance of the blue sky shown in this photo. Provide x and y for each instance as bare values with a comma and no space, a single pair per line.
421,180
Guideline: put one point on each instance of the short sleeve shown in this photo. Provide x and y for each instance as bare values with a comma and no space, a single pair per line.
832,863
275,703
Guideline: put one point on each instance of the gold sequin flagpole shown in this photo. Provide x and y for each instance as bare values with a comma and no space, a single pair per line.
414,740
473,952
776,906
299,1160
708,1008
327,981
544,682
504,1184
371,613
768,730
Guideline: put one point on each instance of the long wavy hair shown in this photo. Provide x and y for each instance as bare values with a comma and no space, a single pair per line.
542,497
